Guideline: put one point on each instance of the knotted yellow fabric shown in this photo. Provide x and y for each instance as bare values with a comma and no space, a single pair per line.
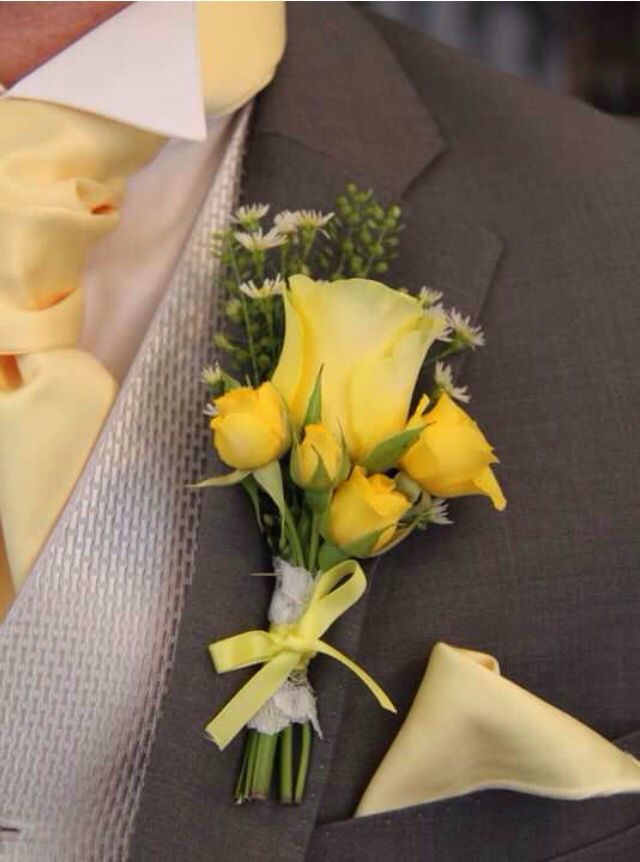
62,176
285,648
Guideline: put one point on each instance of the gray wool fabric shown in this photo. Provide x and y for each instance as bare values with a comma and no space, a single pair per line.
524,208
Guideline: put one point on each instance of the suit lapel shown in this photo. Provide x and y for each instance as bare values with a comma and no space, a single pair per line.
341,93
340,109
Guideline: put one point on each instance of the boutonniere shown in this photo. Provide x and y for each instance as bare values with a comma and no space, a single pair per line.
312,411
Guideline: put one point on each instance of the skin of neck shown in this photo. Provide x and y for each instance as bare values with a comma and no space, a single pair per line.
31,33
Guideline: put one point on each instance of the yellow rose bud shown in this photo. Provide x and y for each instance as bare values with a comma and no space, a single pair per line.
316,462
251,428
363,505
452,457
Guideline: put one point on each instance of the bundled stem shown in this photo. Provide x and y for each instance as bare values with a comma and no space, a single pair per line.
286,765
259,762
303,767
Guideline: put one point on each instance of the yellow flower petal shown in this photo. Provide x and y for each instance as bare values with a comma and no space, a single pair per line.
251,428
487,484
370,342
363,505
318,446
393,375
238,400
417,417
246,443
288,375
452,457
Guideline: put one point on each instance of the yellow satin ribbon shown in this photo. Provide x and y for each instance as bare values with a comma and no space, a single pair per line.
285,648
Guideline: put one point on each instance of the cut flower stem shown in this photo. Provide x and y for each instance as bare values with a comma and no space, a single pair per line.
286,765
265,756
259,764
303,766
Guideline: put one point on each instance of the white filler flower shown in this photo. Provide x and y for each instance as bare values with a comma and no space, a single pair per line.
464,331
428,296
259,241
443,378
270,287
211,375
250,213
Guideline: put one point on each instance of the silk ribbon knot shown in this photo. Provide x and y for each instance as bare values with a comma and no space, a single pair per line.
287,647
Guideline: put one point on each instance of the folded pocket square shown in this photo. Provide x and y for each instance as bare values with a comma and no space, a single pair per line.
471,729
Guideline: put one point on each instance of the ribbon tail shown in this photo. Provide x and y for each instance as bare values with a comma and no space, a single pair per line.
244,704
244,650
383,699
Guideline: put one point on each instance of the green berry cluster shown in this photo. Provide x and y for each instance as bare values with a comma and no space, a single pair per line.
362,237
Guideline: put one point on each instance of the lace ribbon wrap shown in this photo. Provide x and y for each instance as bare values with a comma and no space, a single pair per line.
285,650
295,701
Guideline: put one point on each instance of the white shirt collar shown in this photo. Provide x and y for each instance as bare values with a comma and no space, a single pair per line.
141,67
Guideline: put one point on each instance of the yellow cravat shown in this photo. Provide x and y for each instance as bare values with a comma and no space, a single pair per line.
62,176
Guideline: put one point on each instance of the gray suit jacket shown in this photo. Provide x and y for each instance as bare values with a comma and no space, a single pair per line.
524,208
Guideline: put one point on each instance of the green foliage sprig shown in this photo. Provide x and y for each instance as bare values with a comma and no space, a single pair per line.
358,239
362,238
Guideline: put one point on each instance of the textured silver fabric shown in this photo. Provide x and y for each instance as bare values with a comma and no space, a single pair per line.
85,651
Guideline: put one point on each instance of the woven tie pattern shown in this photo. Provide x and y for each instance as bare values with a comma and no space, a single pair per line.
85,651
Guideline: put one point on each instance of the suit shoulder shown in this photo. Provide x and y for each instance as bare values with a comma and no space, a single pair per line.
470,100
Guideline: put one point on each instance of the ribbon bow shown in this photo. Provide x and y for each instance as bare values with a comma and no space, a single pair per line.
284,648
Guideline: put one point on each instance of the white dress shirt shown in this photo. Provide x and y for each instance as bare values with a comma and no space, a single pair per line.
155,84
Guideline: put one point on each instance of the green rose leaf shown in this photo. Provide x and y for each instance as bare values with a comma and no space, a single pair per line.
222,481
314,406
401,534
270,480
318,501
389,451
321,478
251,487
364,546
330,556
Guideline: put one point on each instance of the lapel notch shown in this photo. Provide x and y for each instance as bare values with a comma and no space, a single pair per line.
340,91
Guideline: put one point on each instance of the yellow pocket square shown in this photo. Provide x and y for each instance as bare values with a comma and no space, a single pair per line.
471,729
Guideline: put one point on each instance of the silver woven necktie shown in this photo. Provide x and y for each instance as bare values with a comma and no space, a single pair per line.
85,651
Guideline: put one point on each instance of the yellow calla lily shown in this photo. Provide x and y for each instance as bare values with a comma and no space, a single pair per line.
452,457
370,342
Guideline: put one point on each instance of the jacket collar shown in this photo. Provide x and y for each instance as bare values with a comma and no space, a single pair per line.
341,91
